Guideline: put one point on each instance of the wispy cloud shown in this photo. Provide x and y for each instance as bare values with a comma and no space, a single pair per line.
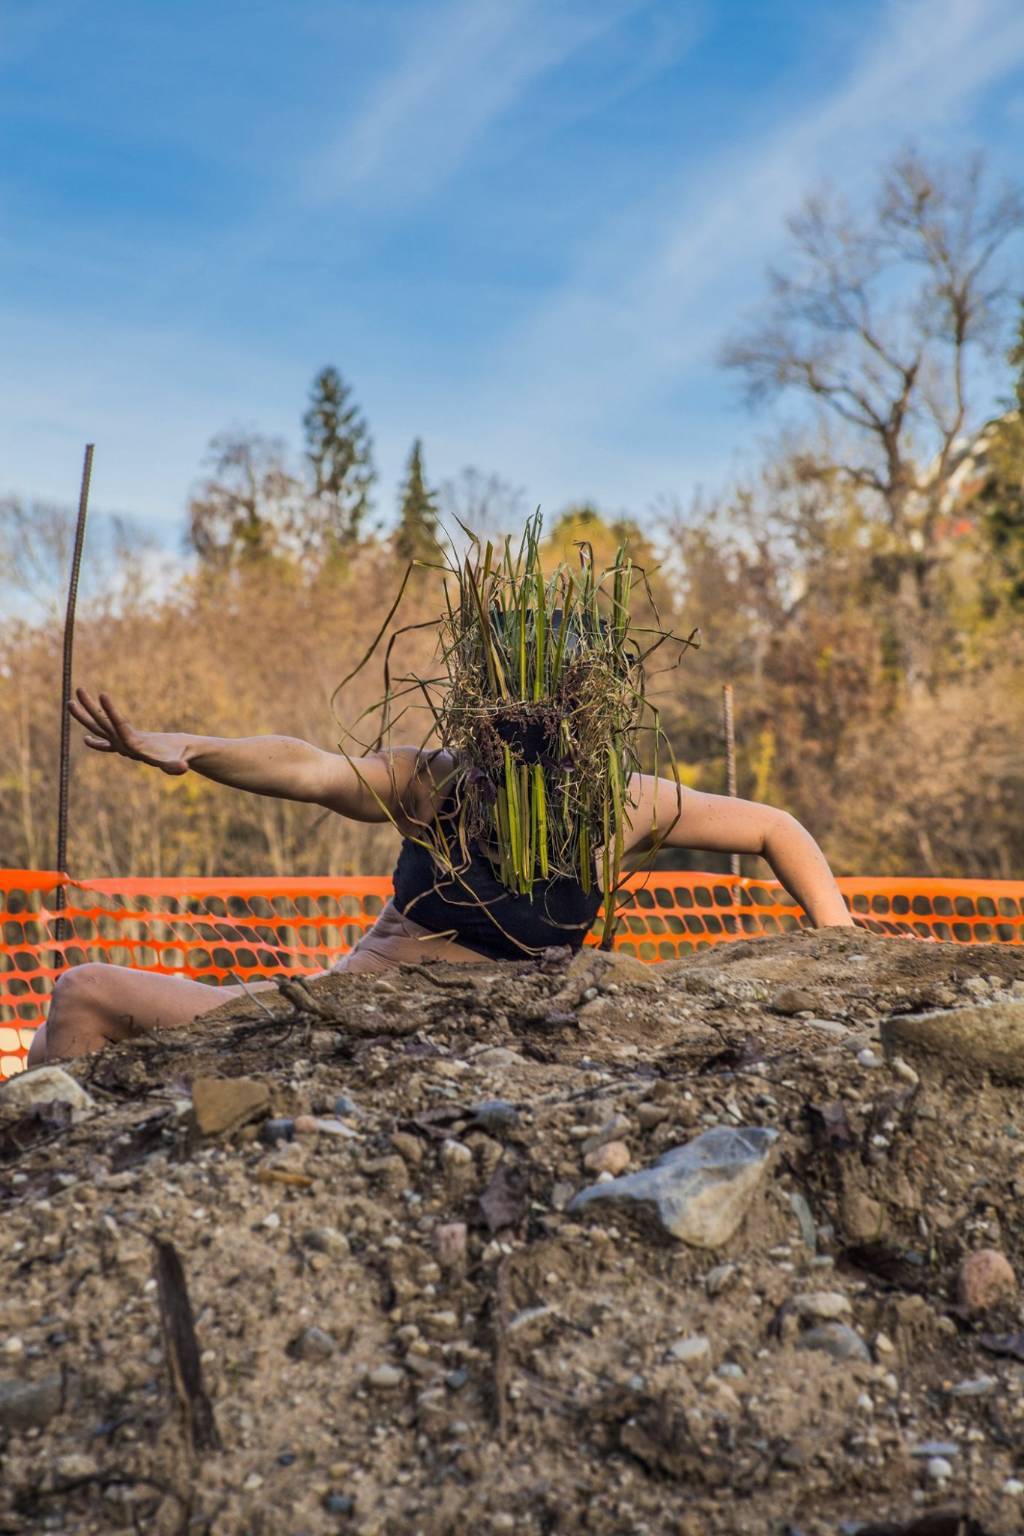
464,65
647,306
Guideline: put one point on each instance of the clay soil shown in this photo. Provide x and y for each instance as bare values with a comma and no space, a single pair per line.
525,1383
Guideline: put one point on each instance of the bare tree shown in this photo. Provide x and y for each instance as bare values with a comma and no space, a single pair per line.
875,318
248,506
486,504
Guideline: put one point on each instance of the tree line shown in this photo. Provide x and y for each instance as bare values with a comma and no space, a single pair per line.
863,590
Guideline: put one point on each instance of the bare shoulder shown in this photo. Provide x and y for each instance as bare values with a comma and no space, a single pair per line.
422,779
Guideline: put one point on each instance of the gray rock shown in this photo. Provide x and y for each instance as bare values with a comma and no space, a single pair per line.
691,1350
493,1115
837,1340
929,1448
823,1306
987,1037
802,1211
30,1404
974,1386
43,1085
385,1378
697,1193
792,1000
312,1344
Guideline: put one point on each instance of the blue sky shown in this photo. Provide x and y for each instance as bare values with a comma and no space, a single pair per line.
520,228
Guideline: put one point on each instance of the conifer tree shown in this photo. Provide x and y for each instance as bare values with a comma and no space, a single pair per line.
340,454
416,534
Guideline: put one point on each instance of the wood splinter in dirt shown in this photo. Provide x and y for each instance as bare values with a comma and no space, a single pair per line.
501,1350
182,1349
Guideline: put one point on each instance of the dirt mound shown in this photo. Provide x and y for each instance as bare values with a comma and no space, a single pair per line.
316,1265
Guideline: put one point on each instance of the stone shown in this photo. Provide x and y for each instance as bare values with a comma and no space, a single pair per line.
455,1154
828,1027
825,1306
869,1058
45,1085
612,1157
409,1147
984,1037
450,1244
837,1340
327,1240
691,1350
698,1193
985,1279
611,1130
863,1218
790,1000
649,1115
802,1211
30,1404
274,1131
939,1469
312,1344
494,1115
720,1278
225,1104
322,1125
1014,1487
385,1378
499,1056
928,1448
974,1386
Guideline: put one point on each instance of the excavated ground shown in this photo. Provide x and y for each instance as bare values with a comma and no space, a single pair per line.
365,1363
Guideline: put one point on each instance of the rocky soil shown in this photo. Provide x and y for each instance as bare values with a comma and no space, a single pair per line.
320,1264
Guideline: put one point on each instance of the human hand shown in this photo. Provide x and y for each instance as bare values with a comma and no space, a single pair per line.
108,731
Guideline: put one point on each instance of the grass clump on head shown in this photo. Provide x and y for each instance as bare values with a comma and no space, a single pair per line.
540,699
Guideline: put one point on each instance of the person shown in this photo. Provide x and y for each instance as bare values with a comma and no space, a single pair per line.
459,910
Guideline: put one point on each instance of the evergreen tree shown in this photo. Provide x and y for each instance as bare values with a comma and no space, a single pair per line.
416,534
340,453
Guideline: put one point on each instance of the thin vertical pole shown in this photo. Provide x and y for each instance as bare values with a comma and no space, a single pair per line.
61,927
729,731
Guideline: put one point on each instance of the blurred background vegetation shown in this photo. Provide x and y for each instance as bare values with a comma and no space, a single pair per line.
863,591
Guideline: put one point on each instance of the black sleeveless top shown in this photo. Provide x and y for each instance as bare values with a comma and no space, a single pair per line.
481,913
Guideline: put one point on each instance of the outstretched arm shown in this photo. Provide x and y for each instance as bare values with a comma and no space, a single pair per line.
373,788
673,817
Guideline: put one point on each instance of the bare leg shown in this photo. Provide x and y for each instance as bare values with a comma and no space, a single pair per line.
94,1005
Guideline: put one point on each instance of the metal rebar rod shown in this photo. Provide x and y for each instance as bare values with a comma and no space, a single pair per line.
61,927
728,729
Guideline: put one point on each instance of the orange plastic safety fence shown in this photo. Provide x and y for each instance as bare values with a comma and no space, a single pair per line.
216,930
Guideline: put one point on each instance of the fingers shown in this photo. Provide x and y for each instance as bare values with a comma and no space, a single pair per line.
99,744
87,712
118,724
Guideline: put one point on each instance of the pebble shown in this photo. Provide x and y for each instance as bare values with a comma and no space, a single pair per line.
691,1350
493,1115
339,1503
326,1240
450,1244
883,1344
935,1448
409,1147
612,1157
611,1130
802,1211
319,1125
271,1221
869,1058
1013,1486
345,1108
939,1469
313,1344
826,1306
384,1378
837,1340
225,1104
44,1085
904,1071
828,1027
30,1404
455,1154
730,1371
985,1279
273,1131
974,1386
791,1000
650,1115
720,1278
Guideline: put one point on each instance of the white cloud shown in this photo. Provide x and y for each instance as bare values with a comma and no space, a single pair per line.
465,64
650,303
